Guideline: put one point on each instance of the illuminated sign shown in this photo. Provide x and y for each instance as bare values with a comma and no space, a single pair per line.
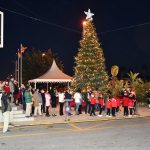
1,29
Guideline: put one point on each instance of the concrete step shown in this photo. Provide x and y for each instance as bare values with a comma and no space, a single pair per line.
18,116
23,119
14,107
19,119
17,112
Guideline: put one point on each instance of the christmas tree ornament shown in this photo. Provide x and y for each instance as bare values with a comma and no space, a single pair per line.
89,15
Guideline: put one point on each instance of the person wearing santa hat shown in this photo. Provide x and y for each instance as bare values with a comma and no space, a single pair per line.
93,103
132,96
125,102
131,104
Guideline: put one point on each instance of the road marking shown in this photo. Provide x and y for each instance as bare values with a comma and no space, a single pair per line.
21,135
75,127
32,134
78,129
68,130
110,127
104,123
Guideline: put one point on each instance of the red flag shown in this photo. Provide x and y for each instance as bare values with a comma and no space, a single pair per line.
19,54
23,48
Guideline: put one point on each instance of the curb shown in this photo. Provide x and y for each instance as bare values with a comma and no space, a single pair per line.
77,121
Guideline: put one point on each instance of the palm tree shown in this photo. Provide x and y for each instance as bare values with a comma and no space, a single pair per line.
133,77
134,80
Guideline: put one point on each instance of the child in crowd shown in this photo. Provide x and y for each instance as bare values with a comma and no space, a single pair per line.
67,113
108,107
125,103
118,103
93,103
114,106
131,104
101,104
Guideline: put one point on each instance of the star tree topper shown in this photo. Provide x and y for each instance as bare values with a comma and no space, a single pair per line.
89,15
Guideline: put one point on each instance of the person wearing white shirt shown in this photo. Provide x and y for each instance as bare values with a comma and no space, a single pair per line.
78,100
61,98
47,100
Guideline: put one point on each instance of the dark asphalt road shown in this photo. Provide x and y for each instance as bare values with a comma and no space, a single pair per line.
127,134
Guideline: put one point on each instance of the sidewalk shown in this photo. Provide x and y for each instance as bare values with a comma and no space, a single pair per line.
41,120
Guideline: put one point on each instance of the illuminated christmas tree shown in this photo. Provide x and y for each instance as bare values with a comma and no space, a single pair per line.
90,69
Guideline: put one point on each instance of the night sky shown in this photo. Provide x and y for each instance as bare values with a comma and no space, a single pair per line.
123,27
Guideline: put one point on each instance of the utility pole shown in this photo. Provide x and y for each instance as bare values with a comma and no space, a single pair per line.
18,67
21,67
16,70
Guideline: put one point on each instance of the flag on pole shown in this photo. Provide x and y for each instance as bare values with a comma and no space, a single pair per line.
19,54
23,48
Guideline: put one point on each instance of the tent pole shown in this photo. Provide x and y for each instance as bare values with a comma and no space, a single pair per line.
47,86
35,85
68,85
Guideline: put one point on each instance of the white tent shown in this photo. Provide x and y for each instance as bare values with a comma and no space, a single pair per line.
54,74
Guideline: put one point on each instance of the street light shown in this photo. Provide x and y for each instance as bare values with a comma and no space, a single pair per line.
43,54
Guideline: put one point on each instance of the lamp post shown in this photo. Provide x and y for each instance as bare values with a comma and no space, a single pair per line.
43,54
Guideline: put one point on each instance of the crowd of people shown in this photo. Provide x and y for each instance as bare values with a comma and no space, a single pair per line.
37,102
94,101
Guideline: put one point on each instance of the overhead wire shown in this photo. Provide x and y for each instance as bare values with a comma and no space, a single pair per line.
66,28
40,20
126,27
26,9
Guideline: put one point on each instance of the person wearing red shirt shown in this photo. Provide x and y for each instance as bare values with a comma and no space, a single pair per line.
118,103
108,107
101,104
6,88
18,97
131,103
93,102
114,106
125,102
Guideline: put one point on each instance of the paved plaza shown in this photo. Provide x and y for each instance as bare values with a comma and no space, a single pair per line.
125,134
39,120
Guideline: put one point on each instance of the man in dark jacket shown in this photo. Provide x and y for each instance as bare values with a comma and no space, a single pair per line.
68,99
86,98
53,104
43,101
6,108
